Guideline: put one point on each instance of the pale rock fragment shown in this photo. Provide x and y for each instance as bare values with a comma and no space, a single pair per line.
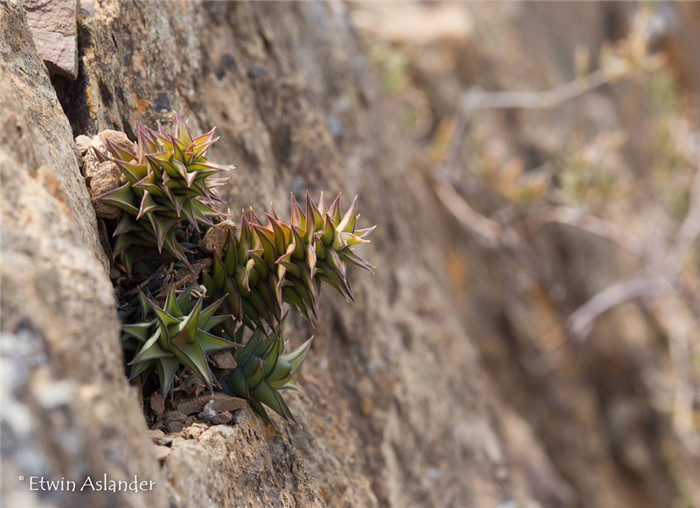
54,28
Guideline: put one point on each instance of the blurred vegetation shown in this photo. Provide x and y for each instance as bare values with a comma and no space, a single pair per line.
504,163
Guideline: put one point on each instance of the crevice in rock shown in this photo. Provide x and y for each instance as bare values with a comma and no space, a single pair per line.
73,98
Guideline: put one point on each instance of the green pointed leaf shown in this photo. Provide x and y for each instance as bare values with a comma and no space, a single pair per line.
120,152
166,321
167,368
191,354
122,197
188,328
334,210
298,218
296,357
272,399
151,350
140,331
133,171
348,222
171,304
209,342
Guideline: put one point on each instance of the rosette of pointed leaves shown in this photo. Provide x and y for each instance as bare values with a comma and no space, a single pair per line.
174,335
263,369
266,265
170,182
332,235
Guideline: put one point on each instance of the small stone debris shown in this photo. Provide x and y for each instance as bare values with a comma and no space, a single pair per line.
174,427
158,437
191,386
106,178
220,402
83,143
222,418
162,452
101,177
194,431
223,360
174,416
157,404
215,238
117,138
207,412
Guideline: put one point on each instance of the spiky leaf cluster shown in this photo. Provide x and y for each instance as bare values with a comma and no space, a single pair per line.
169,196
263,370
169,183
264,266
176,334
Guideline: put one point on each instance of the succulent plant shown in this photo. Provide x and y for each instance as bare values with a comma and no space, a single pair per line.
263,369
332,235
248,271
176,334
169,180
265,265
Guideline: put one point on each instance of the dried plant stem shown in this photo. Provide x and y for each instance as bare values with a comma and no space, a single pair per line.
492,235
645,285
586,222
475,99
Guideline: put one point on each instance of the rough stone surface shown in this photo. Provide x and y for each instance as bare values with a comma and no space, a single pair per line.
66,409
245,466
394,407
297,107
54,27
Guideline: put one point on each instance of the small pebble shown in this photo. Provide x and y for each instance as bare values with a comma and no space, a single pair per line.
174,427
222,418
174,416
162,452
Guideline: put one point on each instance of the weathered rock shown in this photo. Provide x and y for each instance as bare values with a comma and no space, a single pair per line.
297,107
393,408
67,411
54,27
242,468
215,238
217,401
105,178
162,452
222,418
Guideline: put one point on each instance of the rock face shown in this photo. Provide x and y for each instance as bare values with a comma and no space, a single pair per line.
66,411
393,408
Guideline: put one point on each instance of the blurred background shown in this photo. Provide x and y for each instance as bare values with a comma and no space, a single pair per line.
562,141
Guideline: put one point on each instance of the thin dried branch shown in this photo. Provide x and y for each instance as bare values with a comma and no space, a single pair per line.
644,285
492,235
474,100
588,223
485,231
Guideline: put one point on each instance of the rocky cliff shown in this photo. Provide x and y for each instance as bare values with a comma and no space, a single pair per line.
393,409
397,406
